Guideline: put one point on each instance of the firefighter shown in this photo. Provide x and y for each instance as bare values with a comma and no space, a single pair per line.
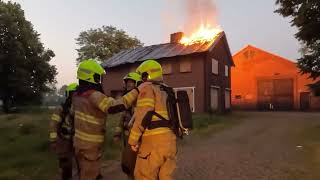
90,107
128,157
61,131
157,151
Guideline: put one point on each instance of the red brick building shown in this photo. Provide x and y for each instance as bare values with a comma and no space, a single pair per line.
202,69
265,81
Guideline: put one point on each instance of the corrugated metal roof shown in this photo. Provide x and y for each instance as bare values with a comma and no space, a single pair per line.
157,52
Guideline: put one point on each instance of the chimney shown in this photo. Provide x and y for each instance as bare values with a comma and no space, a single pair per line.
176,37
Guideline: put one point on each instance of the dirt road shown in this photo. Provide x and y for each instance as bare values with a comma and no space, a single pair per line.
265,146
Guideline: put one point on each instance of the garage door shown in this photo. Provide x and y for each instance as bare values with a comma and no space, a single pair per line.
275,94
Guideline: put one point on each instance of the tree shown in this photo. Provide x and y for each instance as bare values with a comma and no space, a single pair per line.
62,90
305,16
102,43
25,72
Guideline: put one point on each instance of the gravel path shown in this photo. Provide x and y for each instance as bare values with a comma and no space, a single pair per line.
263,147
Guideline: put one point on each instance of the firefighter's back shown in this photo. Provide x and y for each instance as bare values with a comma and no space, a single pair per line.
158,142
90,121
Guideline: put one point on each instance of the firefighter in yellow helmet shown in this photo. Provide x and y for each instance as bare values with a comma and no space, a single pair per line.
61,132
90,106
128,157
157,150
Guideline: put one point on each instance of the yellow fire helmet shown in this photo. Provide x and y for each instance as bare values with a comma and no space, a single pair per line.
90,71
133,76
71,88
151,68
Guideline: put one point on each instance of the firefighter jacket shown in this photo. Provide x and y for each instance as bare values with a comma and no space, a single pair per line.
90,112
150,98
60,125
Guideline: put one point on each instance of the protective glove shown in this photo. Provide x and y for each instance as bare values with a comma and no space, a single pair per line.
116,109
135,148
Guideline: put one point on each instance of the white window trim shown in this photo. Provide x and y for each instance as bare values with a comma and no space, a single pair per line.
193,94
217,87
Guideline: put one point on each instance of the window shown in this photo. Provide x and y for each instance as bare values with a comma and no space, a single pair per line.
167,68
185,66
227,99
215,66
226,70
214,98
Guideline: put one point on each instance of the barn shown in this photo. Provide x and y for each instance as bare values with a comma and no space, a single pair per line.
202,69
265,81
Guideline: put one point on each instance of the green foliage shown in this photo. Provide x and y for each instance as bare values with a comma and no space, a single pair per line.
24,148
25,72
305,16
207,124
104,42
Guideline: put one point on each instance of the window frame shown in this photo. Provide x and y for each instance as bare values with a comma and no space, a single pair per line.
185,61
213,69
226,71
230,96
165,66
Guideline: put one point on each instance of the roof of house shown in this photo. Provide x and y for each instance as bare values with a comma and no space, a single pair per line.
159,51
276,57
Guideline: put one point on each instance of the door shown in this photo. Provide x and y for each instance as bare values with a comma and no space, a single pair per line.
283,94
275,94
304,100
214,101
265,94
190,91
227,97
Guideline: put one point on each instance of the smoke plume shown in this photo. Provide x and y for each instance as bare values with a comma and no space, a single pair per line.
199,12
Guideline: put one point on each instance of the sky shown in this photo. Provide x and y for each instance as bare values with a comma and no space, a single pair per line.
152,21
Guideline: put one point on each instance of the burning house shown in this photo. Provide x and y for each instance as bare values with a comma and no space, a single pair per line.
200,64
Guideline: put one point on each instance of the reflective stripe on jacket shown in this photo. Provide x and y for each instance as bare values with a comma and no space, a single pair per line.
56,119
151,98
90,118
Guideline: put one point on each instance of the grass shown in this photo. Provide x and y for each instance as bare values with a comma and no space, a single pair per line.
208,124
24,146
308,138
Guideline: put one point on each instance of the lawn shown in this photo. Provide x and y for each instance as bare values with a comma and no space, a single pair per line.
308,139
24,150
